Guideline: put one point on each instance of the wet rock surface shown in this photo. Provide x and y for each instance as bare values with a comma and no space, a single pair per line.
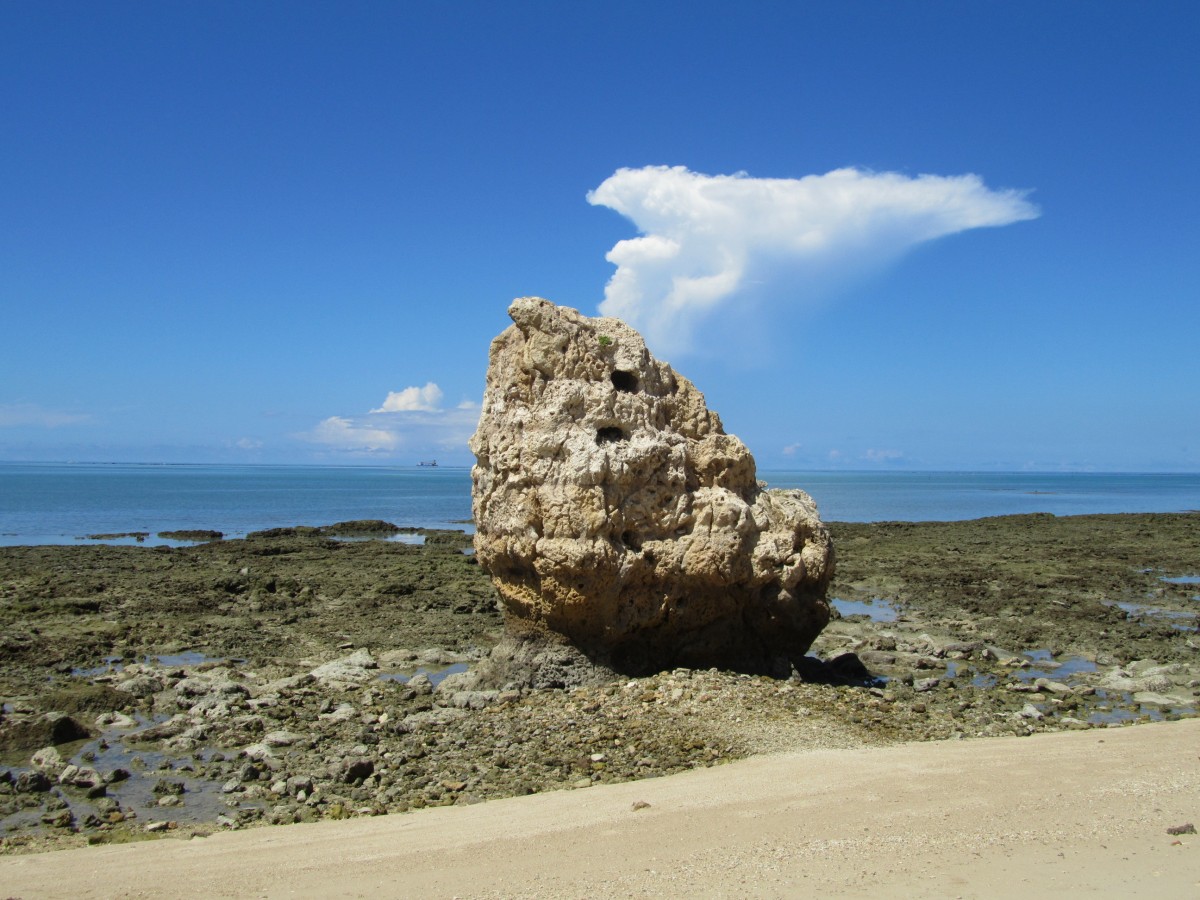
612,508
197,535
213,701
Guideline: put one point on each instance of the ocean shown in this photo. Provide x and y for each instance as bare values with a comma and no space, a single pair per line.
45,503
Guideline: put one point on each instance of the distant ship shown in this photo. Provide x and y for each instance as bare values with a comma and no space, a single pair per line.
428,462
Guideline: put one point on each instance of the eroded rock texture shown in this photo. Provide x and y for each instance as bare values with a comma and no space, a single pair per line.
611,508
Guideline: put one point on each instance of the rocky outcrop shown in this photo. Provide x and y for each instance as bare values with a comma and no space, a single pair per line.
47,730
612,508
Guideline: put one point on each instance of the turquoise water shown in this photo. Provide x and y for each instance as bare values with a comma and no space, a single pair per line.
950,496
54,504
60,503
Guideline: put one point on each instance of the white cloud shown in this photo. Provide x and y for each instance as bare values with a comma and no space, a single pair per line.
412,399
432,429
341,433
248,444
706,239
881,456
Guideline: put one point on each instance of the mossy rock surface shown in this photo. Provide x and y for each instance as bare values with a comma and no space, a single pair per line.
192,534
361,528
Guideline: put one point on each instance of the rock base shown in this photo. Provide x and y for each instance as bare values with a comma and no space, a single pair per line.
531,658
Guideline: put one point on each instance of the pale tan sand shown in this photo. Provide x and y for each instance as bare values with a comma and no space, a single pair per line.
1082,813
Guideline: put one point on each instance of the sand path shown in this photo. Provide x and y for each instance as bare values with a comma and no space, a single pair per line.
1083,813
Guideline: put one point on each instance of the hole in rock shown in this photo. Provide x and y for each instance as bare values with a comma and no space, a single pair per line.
625,381
631,540
609,434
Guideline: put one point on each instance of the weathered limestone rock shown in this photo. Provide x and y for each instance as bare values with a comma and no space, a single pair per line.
612,509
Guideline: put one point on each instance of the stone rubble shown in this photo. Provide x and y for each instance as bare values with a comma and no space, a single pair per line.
254,737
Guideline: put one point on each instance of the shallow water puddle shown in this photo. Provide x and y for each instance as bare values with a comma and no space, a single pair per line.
416,540
958,669
108,664
1180,621
201,800
1075,665
436,676
876,609
1111,716
1046,666
139,539
1125,709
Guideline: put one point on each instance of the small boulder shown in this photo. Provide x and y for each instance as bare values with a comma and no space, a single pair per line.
421,685
281,738
353,769
299,783
354,669
31,782
116,720
48,760
47,730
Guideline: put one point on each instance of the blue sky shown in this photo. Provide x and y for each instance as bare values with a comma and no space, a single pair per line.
287,232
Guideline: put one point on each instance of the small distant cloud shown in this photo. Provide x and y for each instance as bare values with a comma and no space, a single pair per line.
415,423
340,433
19,415
248,444
412,399
710,240
881,456
792,449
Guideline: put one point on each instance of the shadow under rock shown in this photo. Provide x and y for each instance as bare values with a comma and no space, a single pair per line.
536,659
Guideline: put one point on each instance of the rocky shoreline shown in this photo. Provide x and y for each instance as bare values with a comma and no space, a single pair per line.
291,676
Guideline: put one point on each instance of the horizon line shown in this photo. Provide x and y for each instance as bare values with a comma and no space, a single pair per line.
975,470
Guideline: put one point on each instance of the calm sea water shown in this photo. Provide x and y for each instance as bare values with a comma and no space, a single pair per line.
952,496
55,504
58,504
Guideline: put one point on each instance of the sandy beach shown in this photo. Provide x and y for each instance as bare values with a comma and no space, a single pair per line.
1082,813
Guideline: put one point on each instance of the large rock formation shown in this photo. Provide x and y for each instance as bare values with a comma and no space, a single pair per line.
612,509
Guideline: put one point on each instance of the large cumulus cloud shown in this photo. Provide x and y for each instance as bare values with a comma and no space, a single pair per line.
707,240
